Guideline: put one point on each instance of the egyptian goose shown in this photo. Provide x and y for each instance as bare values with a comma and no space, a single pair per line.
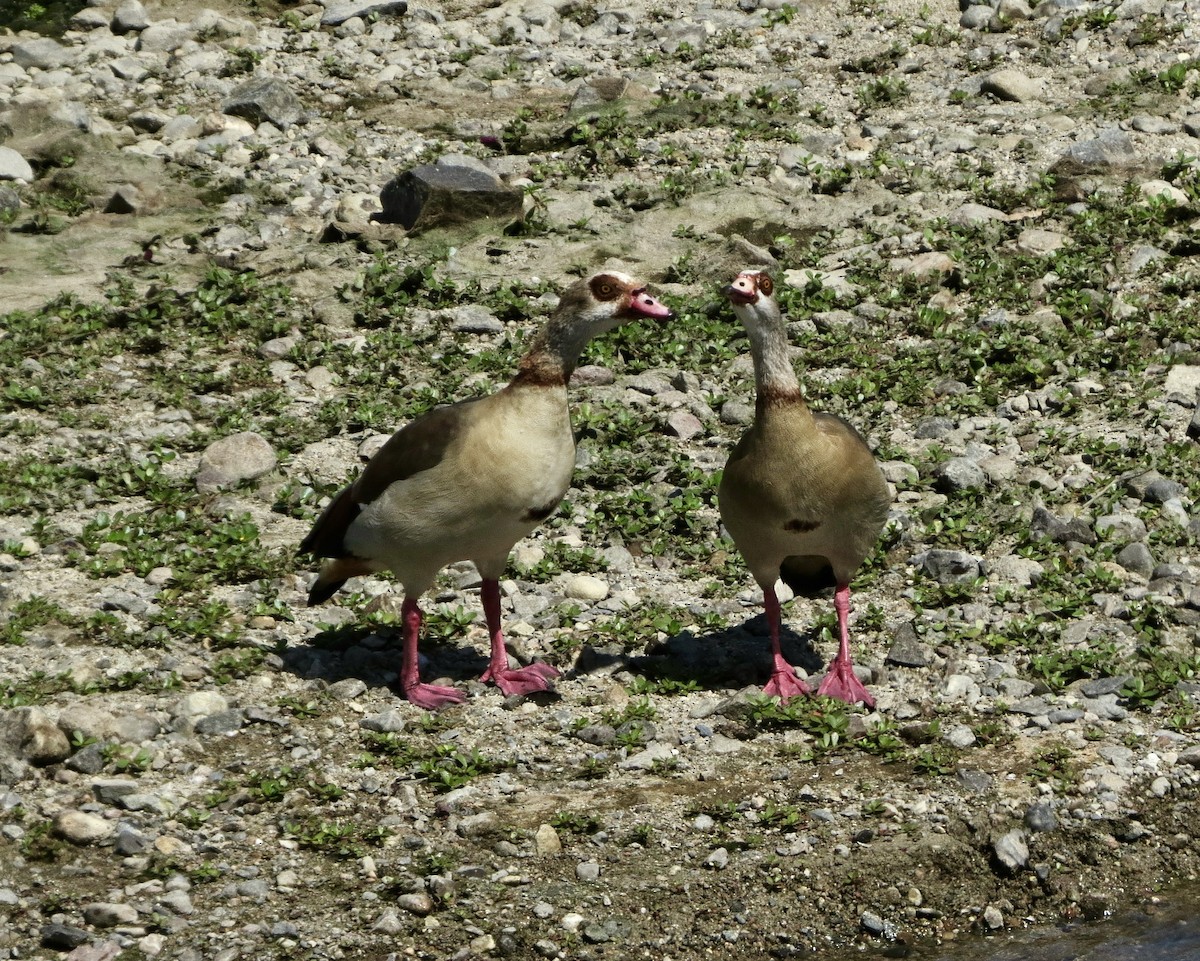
801,496
467,481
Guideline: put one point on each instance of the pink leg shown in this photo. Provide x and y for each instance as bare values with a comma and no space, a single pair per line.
840,682
427,696
535,677
783,683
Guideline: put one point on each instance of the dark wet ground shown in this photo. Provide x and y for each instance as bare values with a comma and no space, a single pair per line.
1167,931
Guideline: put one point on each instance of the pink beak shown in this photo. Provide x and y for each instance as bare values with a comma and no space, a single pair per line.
642,303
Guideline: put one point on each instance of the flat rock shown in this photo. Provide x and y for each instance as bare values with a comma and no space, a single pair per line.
474,319
645,760
79,827
199,704
233,459
265,99
63,937
907,650
1011,850
129,17
13,166
1113,150
164,36
948,566
1012,85
960,473
1181,379
42,53
103,914
32,735
338,13
441,195
684,425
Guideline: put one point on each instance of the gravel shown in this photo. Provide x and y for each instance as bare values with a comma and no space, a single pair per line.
176,802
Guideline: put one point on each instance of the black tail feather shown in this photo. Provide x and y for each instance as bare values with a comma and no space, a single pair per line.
321,592
807,575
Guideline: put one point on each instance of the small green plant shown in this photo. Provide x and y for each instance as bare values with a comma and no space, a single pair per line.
1055,764
573,822
451,767
334,838
936,760
40,844
126,760
882,91
784,15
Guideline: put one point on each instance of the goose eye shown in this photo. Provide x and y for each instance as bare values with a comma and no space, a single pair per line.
604,289
765,284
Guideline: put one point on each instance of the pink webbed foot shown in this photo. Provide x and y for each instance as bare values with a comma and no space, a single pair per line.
431,697
842,683
525,680
785,685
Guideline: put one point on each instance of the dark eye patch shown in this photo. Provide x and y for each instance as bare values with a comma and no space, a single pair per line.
605,287
765,284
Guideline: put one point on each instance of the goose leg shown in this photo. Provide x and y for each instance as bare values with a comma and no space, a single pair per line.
526,680
841,682
427,696
783,683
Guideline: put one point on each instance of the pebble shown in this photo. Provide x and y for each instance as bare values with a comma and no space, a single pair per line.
586,587
13,166
199,704
1040,817
546,841
301,154
1011,850
79,827
948,566
231,460
1012,85
104,915
62,937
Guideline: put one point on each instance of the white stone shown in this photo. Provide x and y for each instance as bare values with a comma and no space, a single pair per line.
586,587
13,166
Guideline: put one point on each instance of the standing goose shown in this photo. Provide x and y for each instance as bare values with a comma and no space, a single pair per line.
801,495
467,481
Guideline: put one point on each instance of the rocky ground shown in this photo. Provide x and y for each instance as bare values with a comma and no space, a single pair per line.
986,220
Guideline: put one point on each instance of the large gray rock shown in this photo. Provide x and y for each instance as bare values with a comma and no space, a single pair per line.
1136,558
442,195
231,460
1060,529
1112,151
948,567
339,13
14,167
130,17
80,827
265,99
960,473
42,53
1011,850
30,734
166,36
1011,85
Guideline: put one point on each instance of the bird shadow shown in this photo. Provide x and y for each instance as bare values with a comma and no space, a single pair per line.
733,656
372,654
